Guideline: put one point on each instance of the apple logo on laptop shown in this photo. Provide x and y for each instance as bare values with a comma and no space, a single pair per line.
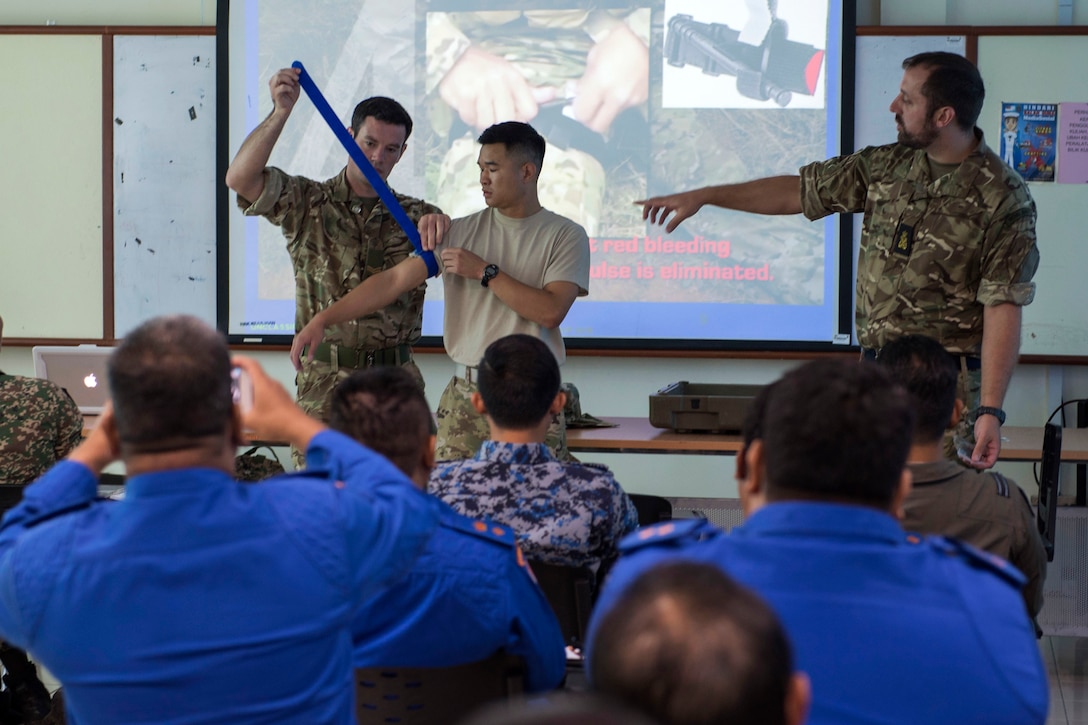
90,381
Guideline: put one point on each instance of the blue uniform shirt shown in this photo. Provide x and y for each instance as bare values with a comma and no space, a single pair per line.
466,596
199,599
890,627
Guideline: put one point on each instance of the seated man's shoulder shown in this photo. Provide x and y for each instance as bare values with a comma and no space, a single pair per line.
677,534
958,554
483,531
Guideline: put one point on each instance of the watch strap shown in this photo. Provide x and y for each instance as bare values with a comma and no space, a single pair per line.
990,410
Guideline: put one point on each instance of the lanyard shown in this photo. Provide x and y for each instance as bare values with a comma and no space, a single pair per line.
366,167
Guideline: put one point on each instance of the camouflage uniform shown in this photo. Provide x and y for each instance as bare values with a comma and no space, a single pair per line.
39,425
333,248
563,513
984,509
466,429
933,253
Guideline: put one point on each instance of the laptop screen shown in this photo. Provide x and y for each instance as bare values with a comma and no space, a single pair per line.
81,371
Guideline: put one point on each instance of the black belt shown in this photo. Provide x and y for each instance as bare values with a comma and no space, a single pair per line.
349,357
971,362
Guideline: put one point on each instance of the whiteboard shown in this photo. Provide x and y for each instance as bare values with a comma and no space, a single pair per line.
51,281
164,178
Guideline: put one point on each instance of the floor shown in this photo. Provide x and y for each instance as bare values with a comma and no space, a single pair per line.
1066,661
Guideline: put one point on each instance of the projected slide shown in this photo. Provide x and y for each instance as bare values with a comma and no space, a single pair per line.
634,99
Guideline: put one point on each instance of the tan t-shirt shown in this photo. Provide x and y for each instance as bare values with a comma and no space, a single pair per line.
536,251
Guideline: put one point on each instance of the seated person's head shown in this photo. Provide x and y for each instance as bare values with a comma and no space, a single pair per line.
686,644
930,374
384,409
171,389
518,381
835,431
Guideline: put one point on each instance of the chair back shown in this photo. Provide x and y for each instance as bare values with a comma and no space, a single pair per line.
651,509
426,695
570,591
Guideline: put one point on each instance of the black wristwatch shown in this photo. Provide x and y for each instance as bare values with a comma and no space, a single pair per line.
490,271
990,410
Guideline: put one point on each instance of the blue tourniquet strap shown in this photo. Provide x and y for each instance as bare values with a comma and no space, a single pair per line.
366,167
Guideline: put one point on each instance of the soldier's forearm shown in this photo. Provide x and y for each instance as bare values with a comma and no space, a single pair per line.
1000,351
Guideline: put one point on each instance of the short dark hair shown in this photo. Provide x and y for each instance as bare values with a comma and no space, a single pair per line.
518,379
383,109
836,430
170,384
929,373
518,138
953,81
384,409
752,427
686,644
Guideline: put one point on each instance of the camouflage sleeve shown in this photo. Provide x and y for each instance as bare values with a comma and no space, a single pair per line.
445,46
1010,255
836,185
284,201
69,426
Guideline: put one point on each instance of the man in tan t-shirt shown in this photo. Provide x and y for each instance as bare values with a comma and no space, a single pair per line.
514,267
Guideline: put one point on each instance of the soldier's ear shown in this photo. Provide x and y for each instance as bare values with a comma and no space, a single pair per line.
944,116
478,403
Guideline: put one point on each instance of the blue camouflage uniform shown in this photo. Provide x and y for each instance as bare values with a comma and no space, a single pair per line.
890,627
202,599
468,595
570,514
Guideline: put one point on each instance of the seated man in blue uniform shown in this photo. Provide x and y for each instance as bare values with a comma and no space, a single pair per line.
688,645
199,598
469,594
891,627
983,508
568,514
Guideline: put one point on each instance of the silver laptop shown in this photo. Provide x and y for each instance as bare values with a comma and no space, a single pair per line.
81,370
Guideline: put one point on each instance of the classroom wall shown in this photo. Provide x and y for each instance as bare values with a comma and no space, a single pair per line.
621,386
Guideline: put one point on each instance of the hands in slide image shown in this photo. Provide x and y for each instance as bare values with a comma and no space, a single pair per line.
617,77
486,89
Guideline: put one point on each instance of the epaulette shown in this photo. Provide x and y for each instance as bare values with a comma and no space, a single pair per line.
675,531
487,530
1002,484
977,558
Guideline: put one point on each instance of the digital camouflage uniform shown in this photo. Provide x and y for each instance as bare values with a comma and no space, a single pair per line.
39,425
933,253
333,248
549,49
570,514
986,510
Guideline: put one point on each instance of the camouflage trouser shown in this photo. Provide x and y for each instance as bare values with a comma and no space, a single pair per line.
969,390
315,383
461,429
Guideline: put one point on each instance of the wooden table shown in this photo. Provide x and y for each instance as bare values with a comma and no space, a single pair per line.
636,435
